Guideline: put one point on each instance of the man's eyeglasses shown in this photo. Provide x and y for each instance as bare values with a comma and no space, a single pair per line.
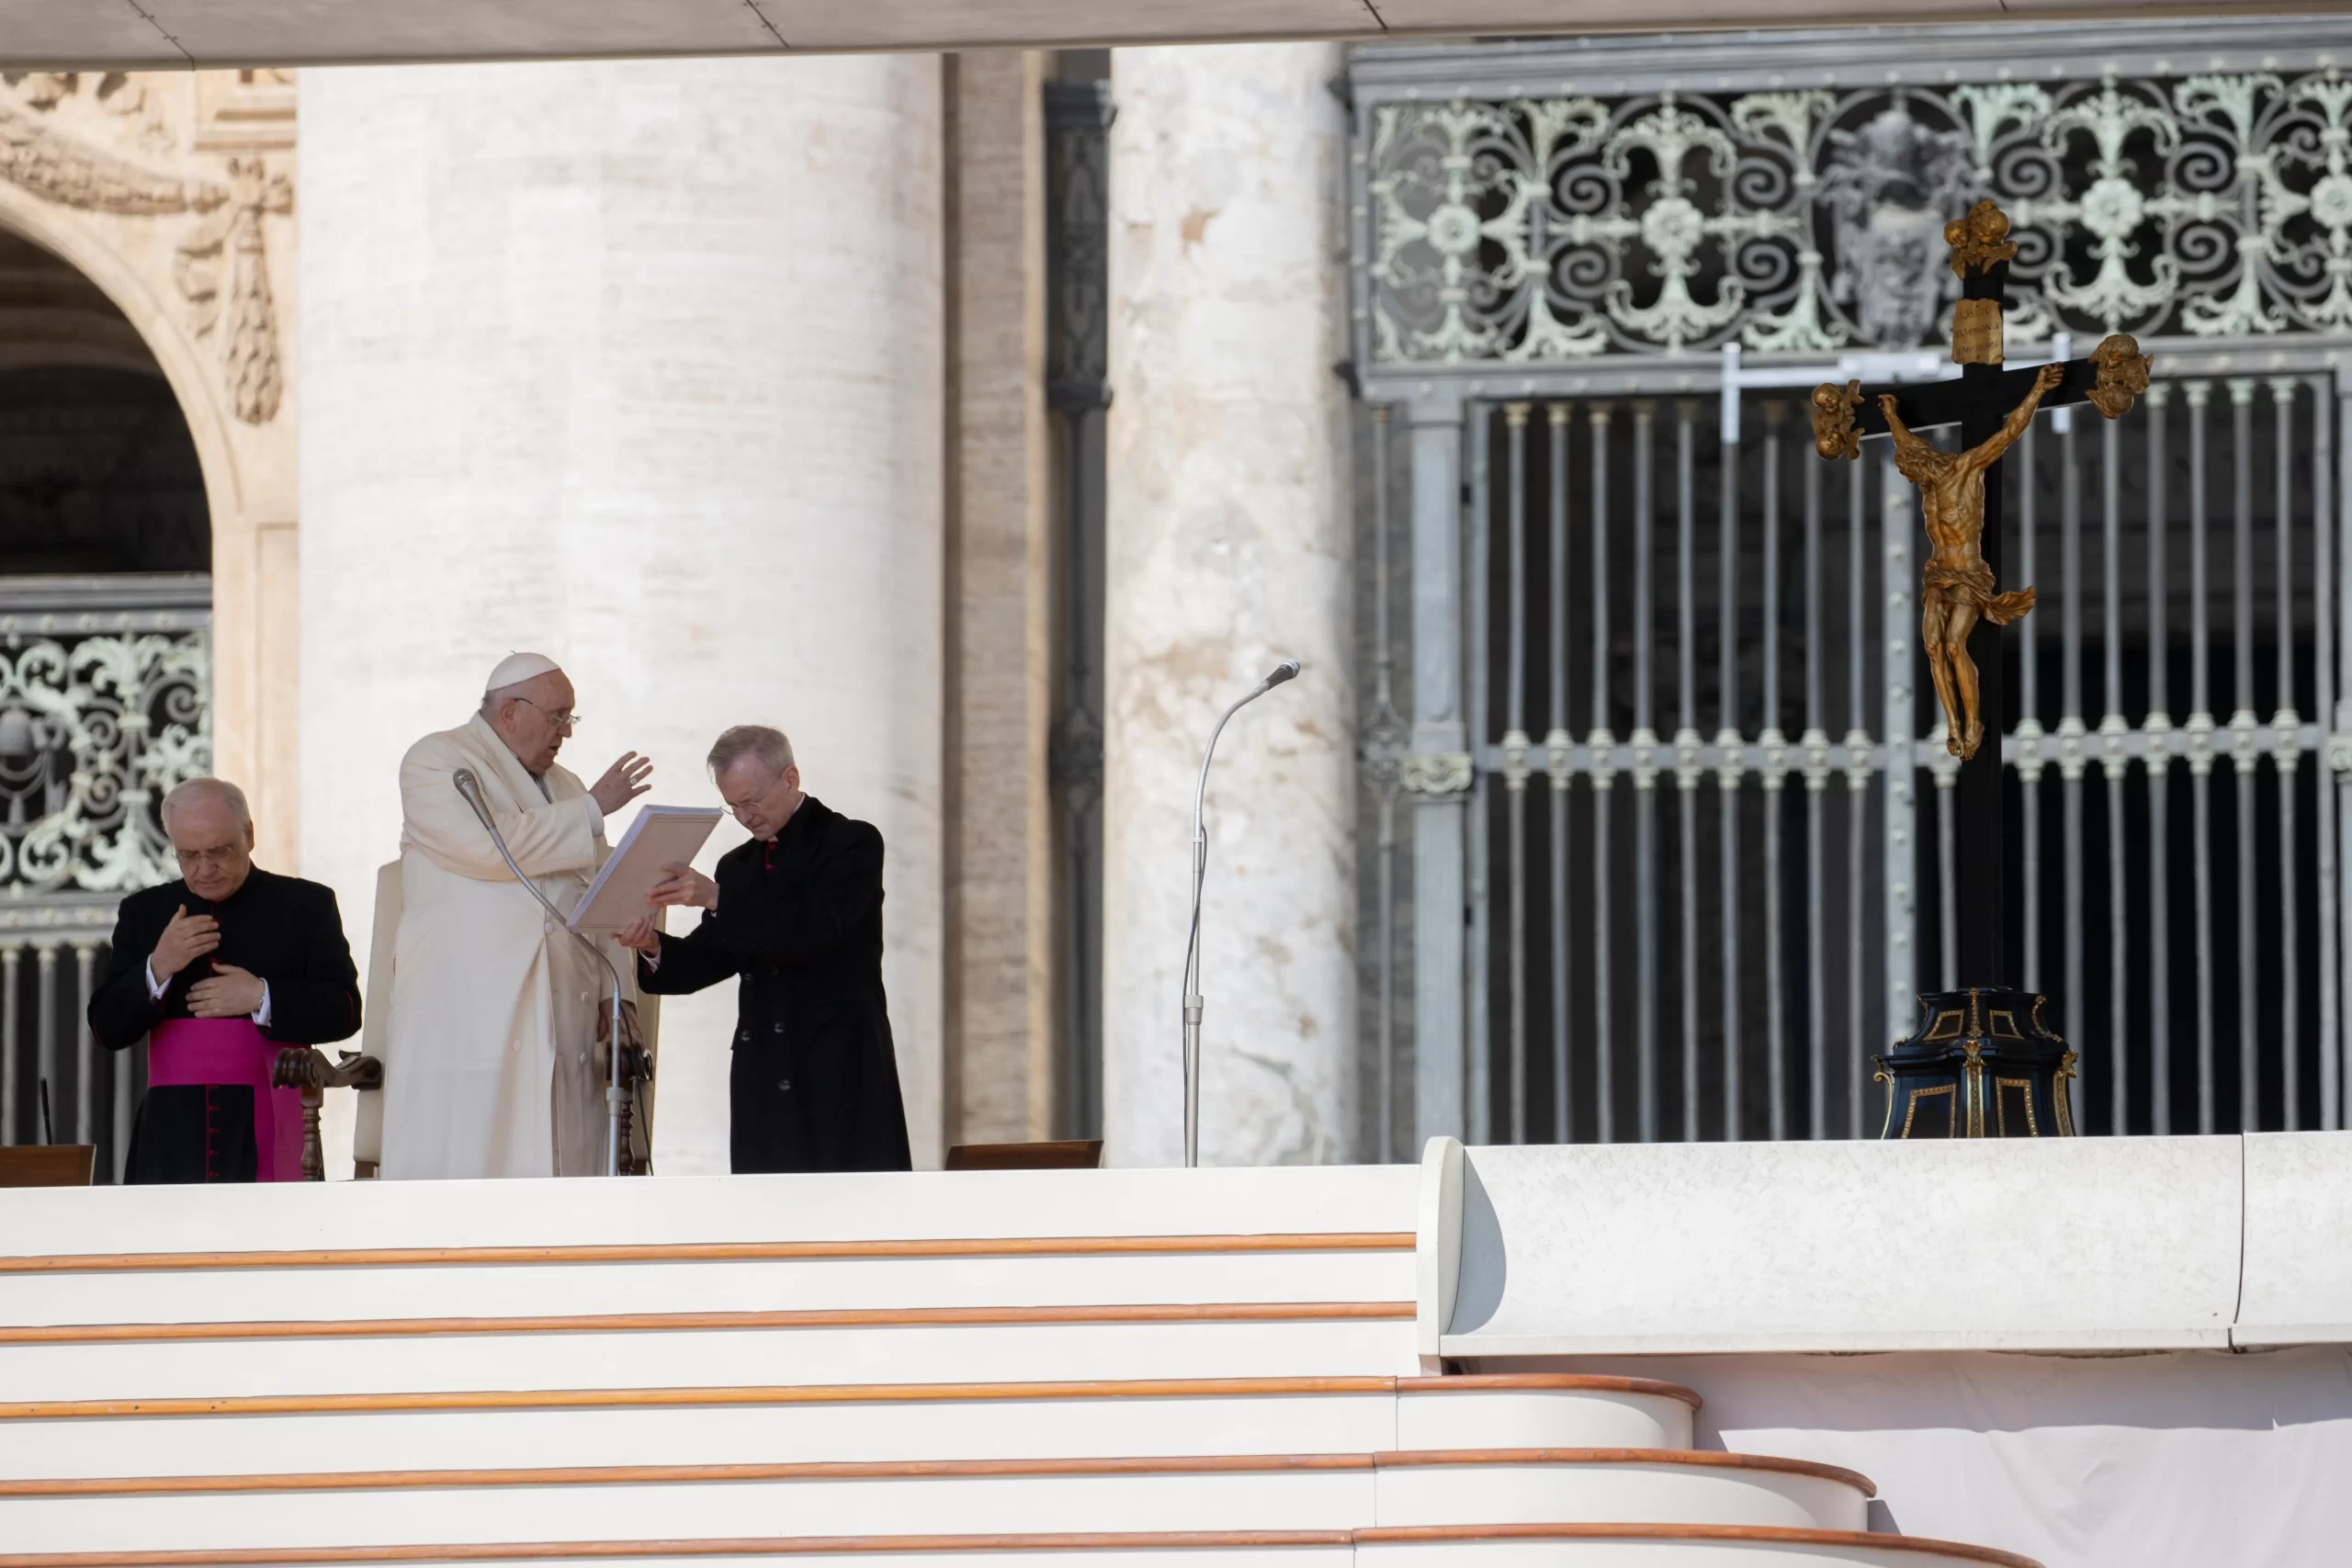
563,719
736,808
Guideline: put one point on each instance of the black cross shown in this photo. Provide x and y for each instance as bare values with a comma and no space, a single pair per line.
1979,401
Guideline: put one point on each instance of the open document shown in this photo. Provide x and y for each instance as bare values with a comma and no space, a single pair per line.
622,891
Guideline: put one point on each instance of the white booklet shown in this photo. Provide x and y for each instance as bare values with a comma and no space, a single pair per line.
661,835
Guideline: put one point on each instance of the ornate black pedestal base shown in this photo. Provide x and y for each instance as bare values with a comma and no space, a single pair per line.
1980,1065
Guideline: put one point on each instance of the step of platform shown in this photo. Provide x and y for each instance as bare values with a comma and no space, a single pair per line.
681,1349
47,1440
860,1371
1221,1493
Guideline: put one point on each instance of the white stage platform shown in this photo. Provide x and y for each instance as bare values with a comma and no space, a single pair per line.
1566,1356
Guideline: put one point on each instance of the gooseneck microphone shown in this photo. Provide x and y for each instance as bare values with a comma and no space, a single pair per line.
616,1097
1287,670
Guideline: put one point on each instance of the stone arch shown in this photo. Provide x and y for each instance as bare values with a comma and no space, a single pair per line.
132,213
194,381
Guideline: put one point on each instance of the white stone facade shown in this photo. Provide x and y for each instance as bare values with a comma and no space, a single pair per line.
723,382
637,365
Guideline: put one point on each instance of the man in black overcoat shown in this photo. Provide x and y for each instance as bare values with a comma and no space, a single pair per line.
796,913
218,970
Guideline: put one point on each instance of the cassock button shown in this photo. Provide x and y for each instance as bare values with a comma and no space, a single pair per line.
779,1029
783,1084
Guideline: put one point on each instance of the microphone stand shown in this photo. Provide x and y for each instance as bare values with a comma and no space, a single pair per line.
1286,670
616,1097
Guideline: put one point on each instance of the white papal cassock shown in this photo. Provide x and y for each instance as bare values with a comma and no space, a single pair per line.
492,1066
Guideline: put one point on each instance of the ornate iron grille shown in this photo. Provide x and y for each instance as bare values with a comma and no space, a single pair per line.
1078,115
1673,851
2164,188
105,706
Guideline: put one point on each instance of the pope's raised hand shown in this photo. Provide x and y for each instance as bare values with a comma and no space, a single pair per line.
622,782
185,939
684,884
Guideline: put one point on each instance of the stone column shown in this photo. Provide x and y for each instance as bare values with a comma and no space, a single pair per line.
999,846
1438,773
1229,547
638,364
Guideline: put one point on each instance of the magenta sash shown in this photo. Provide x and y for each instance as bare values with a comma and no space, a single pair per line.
234,1051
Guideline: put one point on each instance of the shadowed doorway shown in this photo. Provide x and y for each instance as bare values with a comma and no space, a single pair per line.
105,676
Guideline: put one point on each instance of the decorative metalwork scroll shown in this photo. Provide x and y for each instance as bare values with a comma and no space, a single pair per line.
103,709
1516,227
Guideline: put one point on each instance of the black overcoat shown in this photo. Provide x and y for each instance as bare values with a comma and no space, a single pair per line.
288,931
814,1084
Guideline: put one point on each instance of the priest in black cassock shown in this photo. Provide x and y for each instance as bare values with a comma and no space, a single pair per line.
796,913
219,970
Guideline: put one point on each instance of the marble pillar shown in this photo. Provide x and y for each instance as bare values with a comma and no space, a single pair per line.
999,831
636,364
1230,548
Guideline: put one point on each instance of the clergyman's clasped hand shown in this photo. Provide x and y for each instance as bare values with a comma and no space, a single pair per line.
230,992
186,939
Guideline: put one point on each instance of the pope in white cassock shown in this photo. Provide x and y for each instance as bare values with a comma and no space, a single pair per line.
491,1065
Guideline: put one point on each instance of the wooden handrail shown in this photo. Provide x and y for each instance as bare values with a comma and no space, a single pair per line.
1762,1534
707,1252
798,1393
1139,1540
909,1470
1703,1458
688,1398
687,1322
736,1545
1487,1382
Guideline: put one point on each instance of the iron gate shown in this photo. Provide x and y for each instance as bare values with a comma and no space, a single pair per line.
1662,847
105,706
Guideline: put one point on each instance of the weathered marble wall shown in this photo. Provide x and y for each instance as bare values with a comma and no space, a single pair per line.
1228,549
638,364
999,891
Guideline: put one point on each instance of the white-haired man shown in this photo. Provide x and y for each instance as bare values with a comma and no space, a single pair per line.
796,913
217,971
490,1065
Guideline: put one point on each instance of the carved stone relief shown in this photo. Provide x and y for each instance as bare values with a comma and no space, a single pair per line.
59,136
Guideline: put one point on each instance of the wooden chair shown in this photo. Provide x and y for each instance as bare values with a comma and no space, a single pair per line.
1067,1154
48,1164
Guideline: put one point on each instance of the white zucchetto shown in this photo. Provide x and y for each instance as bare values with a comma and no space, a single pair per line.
518,667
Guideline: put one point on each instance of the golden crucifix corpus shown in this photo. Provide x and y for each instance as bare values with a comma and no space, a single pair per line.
1957,589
